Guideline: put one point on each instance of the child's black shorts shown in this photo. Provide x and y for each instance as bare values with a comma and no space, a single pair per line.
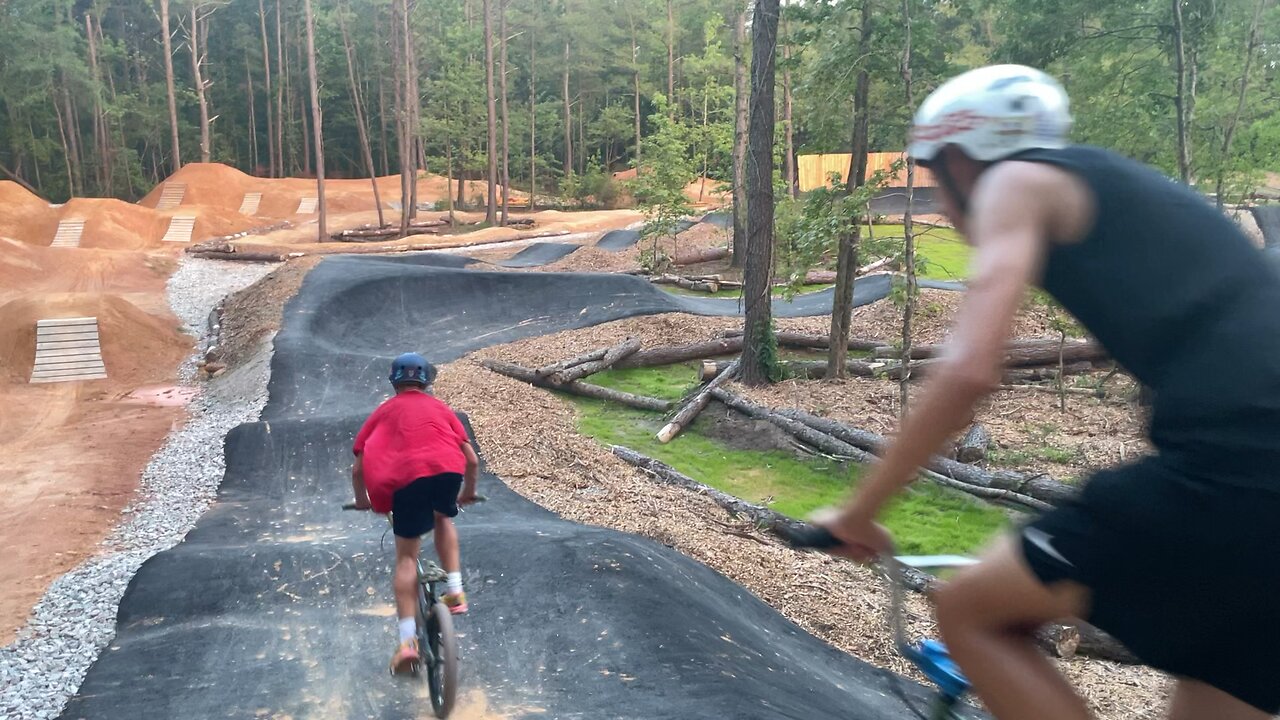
414,506
1184,572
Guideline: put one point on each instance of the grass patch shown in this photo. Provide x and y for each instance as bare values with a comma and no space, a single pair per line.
941,253
925,520
1020,458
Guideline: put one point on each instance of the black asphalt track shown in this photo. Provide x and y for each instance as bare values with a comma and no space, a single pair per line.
893,201
1268,217
539,254
276,604
618,240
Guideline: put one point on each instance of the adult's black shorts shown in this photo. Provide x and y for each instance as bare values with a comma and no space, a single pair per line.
414,506
1184,571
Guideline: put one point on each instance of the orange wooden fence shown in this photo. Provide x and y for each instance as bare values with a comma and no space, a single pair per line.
813,170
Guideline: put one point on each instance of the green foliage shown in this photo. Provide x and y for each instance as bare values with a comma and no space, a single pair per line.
659,187
808,234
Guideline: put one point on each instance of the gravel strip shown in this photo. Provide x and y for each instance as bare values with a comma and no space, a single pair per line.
45,664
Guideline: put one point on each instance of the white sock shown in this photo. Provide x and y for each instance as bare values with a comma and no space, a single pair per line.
455,582
408,629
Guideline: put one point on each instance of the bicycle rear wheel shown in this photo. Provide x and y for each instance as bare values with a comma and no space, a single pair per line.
442,665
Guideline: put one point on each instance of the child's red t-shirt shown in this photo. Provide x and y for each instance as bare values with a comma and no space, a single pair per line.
410,436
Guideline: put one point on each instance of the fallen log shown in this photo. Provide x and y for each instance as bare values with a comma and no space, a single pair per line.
1019,353
249,256
831,444
581,370
972,446
578,387
707,286
877,265
693,257
1040,374
690,409
1060,640
819,277
1041,488
817,342
671,354
800,431
385,233
554,367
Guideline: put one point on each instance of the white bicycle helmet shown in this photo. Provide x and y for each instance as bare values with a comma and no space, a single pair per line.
992,113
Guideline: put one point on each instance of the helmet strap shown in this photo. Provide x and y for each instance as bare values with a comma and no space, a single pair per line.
943,173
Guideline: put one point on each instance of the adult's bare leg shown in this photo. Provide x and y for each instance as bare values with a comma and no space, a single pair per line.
1194,700
988,615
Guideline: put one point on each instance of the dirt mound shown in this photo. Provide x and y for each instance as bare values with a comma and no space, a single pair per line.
207,184
24,216
137,348
26,269
706,191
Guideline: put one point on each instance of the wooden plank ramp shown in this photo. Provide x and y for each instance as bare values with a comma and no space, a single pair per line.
171,196
68,350
249,206
180,229
68,233
308,205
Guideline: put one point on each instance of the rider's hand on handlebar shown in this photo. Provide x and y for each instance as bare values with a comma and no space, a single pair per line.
467,497
863,540
361,504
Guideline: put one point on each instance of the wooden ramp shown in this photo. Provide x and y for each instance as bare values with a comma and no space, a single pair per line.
308,205
68,349
249,206
180,228
171,196
68,234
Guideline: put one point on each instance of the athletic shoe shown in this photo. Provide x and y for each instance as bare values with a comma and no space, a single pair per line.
405,656
456,602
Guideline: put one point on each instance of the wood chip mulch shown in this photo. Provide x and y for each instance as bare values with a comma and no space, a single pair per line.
529,437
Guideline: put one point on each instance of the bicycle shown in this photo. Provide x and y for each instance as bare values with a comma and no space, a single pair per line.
437,641
929,656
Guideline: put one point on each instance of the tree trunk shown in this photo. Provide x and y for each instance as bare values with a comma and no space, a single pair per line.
568,117
671,58
533,119
280,67
491,197
358,104
847,260
194,42
686,414
1180,102
101,134
506,117
1250,45
793,186
577,371
253,117
317,123
66,149
739,138
909,246
758,352
266,74
408,176
168,78
73,139
635,64
416,160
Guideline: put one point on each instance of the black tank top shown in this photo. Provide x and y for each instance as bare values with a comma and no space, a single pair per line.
1173,289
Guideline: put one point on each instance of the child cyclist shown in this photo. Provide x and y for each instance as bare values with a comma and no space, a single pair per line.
415,460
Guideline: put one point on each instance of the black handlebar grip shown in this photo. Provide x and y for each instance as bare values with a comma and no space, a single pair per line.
802,536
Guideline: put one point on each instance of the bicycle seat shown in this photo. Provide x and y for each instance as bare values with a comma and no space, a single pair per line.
933,660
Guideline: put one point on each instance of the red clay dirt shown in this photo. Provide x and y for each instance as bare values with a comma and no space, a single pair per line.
71,453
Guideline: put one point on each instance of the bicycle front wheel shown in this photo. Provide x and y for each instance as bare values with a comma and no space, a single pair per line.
442,672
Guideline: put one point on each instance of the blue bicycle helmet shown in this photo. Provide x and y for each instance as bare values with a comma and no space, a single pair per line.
412,369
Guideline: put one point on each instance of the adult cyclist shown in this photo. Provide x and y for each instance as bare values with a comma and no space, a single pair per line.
414,459
1177,555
